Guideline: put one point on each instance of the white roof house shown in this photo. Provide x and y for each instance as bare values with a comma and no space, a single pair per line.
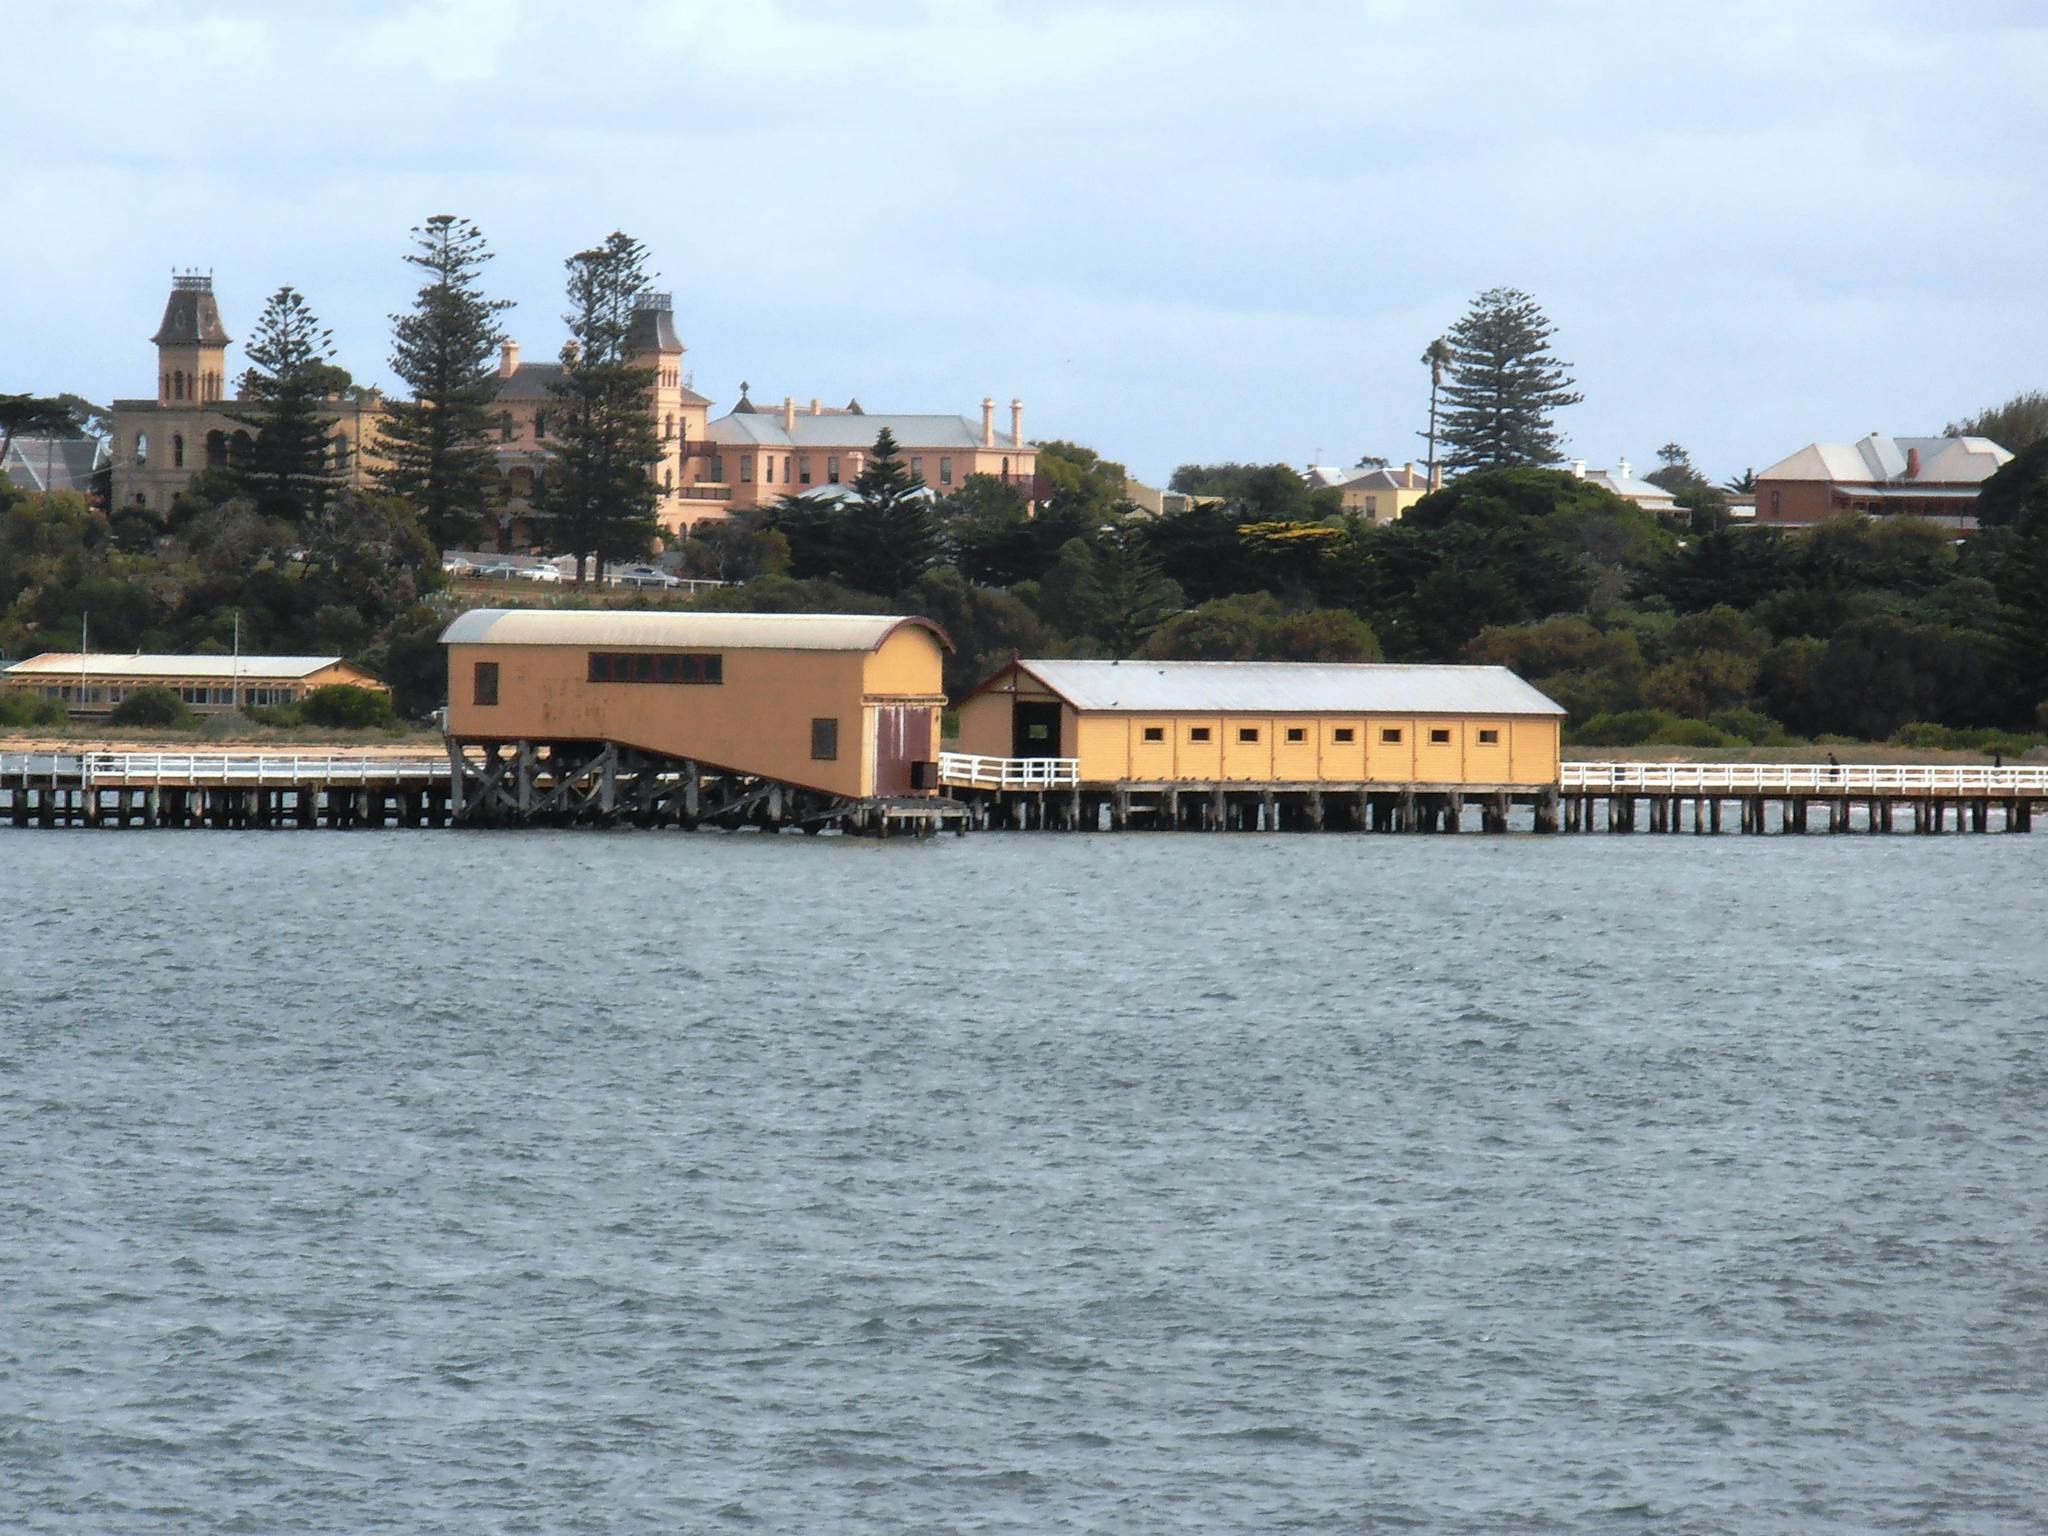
37,464
1288,687
1623,481
149,668
1878,459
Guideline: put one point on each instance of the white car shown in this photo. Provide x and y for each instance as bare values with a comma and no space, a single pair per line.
538,573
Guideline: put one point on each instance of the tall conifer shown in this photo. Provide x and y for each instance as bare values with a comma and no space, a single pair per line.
1505,386
437,444
891,537
289,469
598,496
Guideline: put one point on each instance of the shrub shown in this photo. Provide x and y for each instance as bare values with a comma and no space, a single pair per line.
19,708
153,706
1625,728
1697,733
346,706
1753,726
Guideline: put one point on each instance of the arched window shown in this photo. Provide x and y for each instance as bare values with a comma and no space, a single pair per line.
142,448
177,450
178,385
1006,469
540,424
668,478
216,450
668,428
239,446
341,453
164,390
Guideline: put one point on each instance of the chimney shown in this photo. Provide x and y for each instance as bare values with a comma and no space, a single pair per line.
508,359
1912,463
816,409
1017,423
1578,469
1408,472
988,421
1436,477
789,413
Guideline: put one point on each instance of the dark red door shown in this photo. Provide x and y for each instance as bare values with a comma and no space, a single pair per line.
903,736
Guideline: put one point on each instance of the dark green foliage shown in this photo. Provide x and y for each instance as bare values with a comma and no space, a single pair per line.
154,707
288,471
889,534
1505,386
2015,426
31,416
2016,487
1259,493
20,709
598,497
343,706
1083,486
446,348
1256,627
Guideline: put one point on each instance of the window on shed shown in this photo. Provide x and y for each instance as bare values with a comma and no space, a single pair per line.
825,741
486,682
1247,733
1155,733
1439,736
1297,733
1391,735
1344,734
1198,733
1489,738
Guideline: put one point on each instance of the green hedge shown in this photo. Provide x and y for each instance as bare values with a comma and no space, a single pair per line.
153,706
348,707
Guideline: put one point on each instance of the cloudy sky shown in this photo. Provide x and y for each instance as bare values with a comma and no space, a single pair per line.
1179,231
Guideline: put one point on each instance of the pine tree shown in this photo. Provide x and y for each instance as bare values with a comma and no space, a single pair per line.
1505,386
598,496
438,443
1133,596
288,469
891,536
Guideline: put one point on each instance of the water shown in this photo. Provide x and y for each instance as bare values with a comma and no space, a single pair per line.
449,1182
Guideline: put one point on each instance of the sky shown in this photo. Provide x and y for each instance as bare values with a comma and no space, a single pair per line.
1177,231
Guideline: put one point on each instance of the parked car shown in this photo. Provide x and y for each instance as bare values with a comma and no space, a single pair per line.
538,573
657,579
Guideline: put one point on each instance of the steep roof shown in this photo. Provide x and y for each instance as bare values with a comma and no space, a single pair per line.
1877,458
706,631
95,664
1388,480
191,318
1288,687
54,463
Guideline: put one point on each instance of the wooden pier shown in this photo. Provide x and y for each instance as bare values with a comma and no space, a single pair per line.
222,790
1796,798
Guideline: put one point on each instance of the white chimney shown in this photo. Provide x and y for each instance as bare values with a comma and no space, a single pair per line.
816,409
1017,423
1621,469
1578,469
508,359
988,421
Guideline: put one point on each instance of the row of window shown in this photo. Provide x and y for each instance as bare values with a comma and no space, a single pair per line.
93,693
1341,735
218,448
656,667
179,385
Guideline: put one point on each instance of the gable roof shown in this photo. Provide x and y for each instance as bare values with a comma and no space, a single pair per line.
850,430
115,664
54,463
1878,458
709,631
1286,687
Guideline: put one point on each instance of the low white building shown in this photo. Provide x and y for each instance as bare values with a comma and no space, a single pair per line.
1622,480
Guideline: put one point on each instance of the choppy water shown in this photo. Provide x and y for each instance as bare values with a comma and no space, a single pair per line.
648,1183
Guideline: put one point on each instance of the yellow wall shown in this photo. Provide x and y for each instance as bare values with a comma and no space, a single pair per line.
758,720
1112,748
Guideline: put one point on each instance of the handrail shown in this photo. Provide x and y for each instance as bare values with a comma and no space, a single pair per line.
118,768
1820,778
965,770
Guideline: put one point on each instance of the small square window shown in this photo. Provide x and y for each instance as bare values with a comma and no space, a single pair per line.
1439,736
1155,733
1489,738
1198,733
825,741
1247,733
1296,734
1344,735
486,682
1391,736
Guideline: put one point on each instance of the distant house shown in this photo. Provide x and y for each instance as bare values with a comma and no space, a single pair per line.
93,683
1383,495
41,464
1931,477
1622,480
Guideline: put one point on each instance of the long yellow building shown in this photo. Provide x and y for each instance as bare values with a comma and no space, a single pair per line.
1269,723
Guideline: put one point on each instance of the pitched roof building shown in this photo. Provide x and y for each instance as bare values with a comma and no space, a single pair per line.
1931,477
1625,483
41,464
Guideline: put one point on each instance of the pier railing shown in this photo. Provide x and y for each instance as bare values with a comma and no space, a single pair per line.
963,770
1821,779
111,769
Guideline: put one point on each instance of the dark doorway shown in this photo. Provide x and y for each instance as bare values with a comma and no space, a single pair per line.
903,739
1035,731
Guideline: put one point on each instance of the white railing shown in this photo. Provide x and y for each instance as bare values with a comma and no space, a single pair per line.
1820,778
113,768
963,770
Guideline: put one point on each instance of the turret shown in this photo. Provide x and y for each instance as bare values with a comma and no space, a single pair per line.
191,344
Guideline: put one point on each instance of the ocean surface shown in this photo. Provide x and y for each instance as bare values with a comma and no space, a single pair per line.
653,1182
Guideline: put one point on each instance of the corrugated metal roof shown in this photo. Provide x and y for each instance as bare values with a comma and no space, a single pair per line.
1290,687
700,631
67,663
763,426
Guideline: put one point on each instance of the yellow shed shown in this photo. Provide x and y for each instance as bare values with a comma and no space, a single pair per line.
846,704
1310,724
